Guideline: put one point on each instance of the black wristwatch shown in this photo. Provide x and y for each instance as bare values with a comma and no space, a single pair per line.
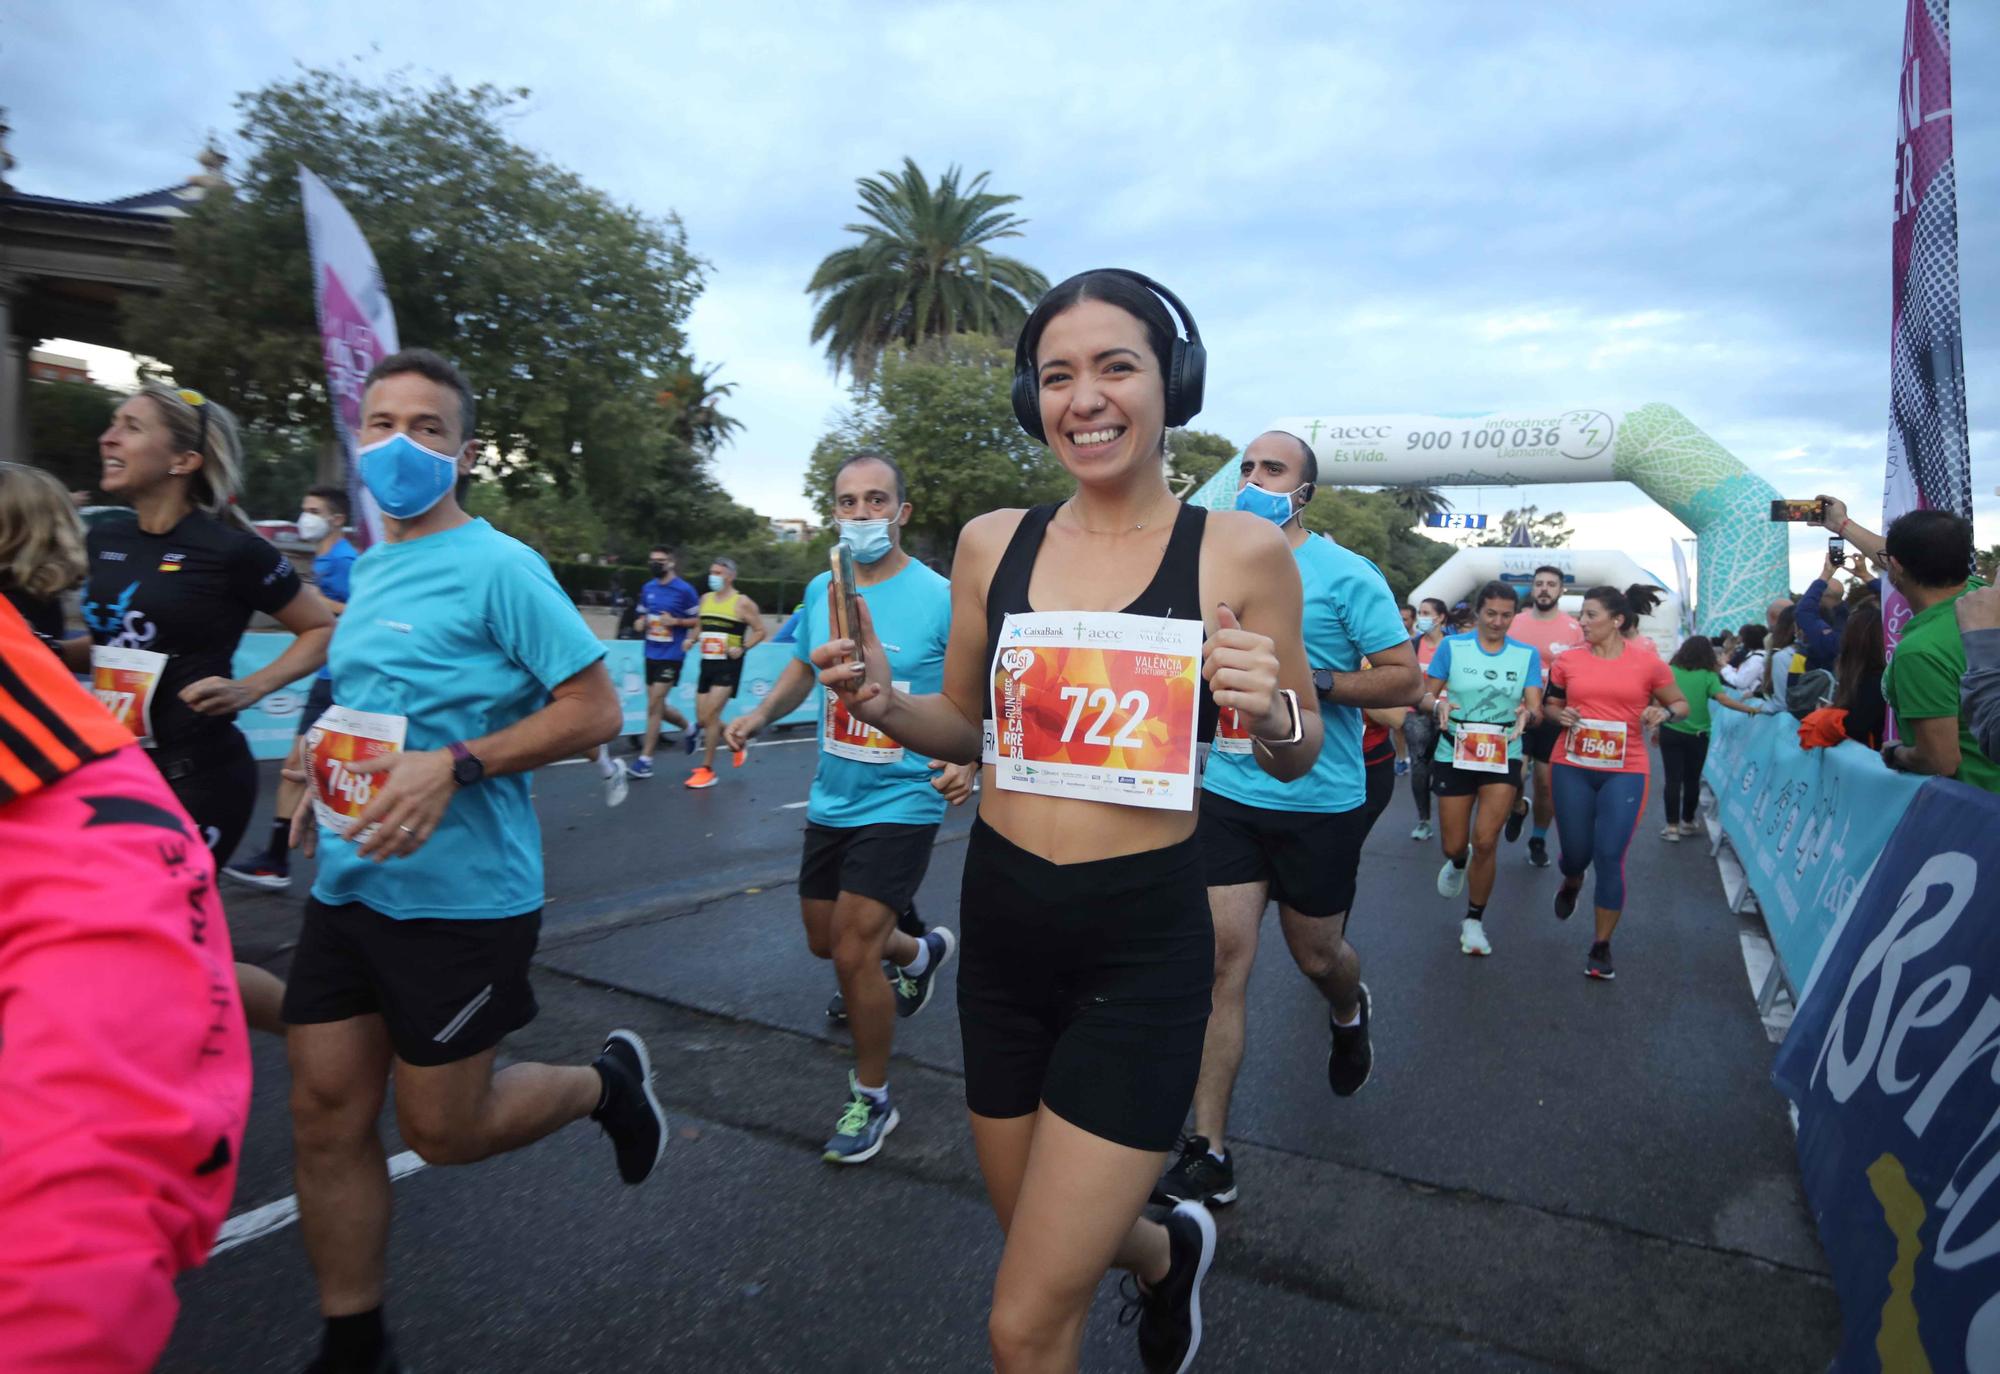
1322,680
466,769
1889,756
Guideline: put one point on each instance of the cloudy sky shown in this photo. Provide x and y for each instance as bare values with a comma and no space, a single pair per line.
1371,208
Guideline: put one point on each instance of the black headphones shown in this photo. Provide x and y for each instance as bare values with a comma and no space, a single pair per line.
1187,369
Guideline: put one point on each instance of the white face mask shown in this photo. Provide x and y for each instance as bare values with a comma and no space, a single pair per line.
314,527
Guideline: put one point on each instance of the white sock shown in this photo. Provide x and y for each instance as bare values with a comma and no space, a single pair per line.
1351,1023
1218,1158
916,966
876,1095
604,764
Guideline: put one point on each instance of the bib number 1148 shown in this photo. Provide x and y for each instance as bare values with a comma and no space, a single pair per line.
1107,704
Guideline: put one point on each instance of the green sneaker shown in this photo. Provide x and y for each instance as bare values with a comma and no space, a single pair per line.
858,1135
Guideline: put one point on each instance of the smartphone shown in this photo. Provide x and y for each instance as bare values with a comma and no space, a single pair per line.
1836,549
1798,512
846,614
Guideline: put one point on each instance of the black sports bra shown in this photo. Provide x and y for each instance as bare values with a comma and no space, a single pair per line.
1173,594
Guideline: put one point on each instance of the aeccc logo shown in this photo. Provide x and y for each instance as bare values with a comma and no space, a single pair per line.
282,704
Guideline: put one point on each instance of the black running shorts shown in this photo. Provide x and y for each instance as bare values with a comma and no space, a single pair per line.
1448,780
1538,742
720,672
1085,986
319,700
447,990
883,862
1309,858
667,670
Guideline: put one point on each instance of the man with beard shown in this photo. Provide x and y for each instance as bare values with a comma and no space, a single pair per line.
1550,629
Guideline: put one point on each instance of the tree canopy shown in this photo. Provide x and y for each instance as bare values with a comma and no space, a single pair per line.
1549,531
924,269
565,309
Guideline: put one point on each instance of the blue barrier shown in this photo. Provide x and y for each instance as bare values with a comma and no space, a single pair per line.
1807,824
271,723
1892,1062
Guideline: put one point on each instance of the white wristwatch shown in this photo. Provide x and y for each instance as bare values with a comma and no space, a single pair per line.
1298,723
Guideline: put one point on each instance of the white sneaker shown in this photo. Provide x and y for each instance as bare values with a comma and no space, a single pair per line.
1472,937
617,785
1423,831
1451,880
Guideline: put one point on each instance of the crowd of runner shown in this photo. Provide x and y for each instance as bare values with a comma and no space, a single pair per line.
1170,718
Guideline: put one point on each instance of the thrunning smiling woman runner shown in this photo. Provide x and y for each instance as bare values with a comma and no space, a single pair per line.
1606,693
1087,952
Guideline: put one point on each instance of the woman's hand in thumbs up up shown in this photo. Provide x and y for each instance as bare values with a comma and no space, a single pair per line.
1241,669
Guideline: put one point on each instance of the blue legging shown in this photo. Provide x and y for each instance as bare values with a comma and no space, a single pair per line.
1597,814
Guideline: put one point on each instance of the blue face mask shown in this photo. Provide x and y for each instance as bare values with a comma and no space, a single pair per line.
1425,624
1275,506
867,540
715,582
405,478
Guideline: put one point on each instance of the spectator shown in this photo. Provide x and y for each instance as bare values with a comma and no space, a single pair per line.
1927,555
1780,654
1772,611
1821,615
41,548
1858,676
1684,742
1979,627
1745,672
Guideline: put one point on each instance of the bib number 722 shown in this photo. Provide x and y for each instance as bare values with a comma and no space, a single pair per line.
1106,703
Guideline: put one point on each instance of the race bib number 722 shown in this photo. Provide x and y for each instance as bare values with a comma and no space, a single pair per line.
1097,706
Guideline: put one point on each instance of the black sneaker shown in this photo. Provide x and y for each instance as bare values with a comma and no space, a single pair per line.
1169,1316
913,994
1197,1176
1515,821
630,1114
1352,1058
910,923
836,1009
1599,964
384,1363
1538,852
1566,900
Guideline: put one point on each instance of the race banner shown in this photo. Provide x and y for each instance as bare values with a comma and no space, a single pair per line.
1891,1063
357,327
1806,824
1687,592
1929,463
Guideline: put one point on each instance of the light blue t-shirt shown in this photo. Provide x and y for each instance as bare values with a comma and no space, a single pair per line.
1484,688
912,615
462,633
1349,614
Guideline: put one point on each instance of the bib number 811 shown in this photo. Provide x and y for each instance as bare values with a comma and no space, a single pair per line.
358,788
1106,703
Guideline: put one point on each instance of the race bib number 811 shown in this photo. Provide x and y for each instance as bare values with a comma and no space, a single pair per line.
1097,706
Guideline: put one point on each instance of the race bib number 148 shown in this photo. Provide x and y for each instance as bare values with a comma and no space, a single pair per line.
1097,706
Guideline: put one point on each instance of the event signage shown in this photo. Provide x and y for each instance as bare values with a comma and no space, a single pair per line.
1502,449
357,326
1454,520
1929,463
1892,1062
1806,824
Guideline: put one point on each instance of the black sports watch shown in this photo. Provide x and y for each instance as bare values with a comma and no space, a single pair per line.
1322,680
466,769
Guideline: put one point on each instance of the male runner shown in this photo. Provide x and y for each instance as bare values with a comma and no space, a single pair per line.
1484,688
1549,630
730,626
323,518
414,952
666,613
875,807
1299,842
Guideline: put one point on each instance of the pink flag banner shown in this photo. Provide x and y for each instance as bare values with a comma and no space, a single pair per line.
357,326
1929,462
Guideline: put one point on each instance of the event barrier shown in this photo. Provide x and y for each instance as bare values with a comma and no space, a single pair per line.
1807,824
1894,1062
271,723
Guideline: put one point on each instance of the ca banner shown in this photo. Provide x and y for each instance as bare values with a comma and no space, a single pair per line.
1929,465
357,325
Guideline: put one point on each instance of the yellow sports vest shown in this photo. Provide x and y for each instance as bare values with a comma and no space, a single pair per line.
721,628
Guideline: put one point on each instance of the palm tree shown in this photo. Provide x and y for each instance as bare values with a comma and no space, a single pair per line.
1419,502
693,397
922,270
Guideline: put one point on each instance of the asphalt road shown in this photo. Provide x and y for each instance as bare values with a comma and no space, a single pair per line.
1544,1172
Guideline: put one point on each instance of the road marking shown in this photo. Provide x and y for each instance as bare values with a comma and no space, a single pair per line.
793,806
259,1222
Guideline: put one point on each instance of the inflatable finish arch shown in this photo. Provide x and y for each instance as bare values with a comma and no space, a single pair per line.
1743,556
